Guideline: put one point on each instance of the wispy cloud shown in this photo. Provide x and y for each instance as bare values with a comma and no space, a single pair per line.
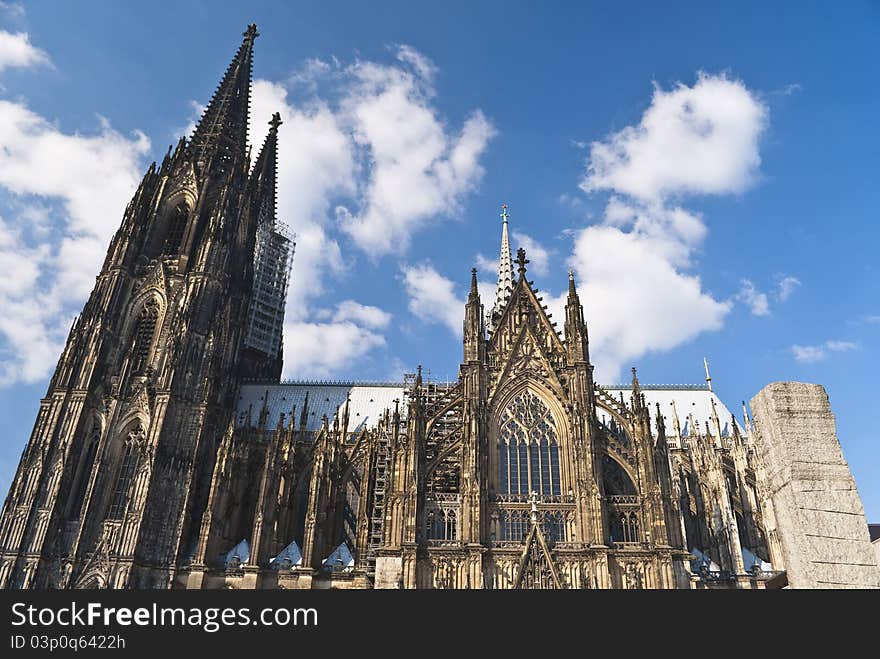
14,10
757,302
816,353
785,286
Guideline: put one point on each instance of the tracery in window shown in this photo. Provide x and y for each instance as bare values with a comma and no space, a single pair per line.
615,478
174,229
625,526
131,453
441,524
528,448
516,524
85,474
143,337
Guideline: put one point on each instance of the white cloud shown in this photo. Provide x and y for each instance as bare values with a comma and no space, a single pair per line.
539,257
76,184
758,302
373,317
635,268
16,51
634,299
785,286
416,169
487,290
432,297
753,298
700,140
320,349
487,265
315,166
368,149
817,353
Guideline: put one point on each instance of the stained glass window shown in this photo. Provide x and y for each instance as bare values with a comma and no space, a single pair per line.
528,448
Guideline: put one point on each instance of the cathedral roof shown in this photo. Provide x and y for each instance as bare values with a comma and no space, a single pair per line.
370,400
691,401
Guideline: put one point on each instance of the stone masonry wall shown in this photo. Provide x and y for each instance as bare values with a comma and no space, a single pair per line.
814,516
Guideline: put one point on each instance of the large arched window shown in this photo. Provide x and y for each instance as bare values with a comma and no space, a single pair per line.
131,453
143,337
528,448
615,479
85,474
174,229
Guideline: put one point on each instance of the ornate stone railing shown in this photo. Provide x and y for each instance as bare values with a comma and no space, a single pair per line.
443,497
623,499
626,545
571,545
542,499
507,544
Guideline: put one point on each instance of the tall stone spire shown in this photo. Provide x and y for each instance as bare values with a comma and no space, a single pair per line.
221,134
272,259
264,176
576,340
505,269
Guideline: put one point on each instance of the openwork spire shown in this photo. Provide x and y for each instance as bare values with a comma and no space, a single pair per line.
505,267
221,135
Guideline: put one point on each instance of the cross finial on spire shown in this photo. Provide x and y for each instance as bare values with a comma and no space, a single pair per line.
521,260
504,213
275,121
251,32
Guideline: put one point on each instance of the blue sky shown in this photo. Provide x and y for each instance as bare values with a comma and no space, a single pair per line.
709,174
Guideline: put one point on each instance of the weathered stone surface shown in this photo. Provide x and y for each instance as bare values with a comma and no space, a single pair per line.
820,527
388,571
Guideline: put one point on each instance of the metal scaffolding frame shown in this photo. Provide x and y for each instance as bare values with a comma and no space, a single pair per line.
273,260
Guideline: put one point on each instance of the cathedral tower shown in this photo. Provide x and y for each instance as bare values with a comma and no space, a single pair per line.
113,483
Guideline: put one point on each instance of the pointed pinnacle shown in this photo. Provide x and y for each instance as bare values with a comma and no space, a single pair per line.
572,290
521,261
222,130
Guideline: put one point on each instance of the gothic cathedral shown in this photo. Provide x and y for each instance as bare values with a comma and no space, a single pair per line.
167,453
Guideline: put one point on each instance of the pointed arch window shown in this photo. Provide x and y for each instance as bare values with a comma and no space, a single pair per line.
174,229
85,474
131,453
528,448
143,337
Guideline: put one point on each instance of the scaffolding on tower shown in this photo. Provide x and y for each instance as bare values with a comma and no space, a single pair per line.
273,260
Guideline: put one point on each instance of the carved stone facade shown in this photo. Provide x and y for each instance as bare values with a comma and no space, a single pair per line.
154,464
